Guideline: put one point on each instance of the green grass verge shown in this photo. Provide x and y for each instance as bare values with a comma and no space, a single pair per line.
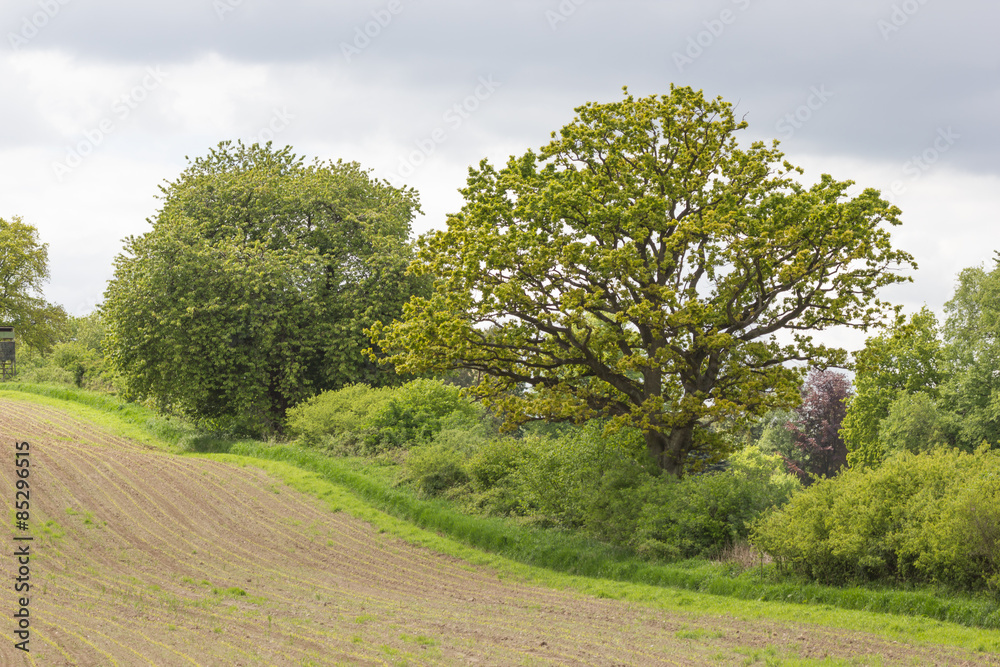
120,417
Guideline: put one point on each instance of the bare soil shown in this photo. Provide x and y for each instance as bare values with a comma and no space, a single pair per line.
145,558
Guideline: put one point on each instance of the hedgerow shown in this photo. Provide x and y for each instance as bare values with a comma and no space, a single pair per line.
922,518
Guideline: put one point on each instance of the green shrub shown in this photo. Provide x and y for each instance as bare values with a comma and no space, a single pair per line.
616,503
359,419
459,435
559,479
435,468
931,517
340,416
604,483
78,360
45,374
497,462
550,474
416,412
701,515
493,474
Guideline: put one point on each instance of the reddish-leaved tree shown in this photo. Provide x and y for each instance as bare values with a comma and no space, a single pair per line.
816,426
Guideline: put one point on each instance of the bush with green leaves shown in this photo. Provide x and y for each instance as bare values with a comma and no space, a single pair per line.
416,412
494,475
699,515
436,468
606,486
549,474
931,517
81,362
73,357
32,367
337,417
360,419
559,479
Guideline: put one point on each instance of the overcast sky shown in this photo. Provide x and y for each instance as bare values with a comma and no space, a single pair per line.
103,99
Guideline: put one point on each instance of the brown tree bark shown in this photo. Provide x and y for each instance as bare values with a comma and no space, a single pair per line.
670,449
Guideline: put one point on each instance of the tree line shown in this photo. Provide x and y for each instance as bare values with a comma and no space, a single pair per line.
643,267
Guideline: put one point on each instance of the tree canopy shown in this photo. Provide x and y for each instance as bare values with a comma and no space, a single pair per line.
641,267
972,356
921,386
901,361
24,270
254,287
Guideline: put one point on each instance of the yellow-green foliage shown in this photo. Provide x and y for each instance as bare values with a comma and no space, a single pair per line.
919,517
336,413
360,418
642,252
417,411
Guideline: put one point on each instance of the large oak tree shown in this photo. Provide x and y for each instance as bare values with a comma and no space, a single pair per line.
646,268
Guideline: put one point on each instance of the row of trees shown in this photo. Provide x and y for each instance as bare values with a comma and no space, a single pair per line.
642,268
919,387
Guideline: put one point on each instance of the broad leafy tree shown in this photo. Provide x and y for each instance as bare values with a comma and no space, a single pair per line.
916,423
920,386
906,359
24,270
254,287
644,266
972,356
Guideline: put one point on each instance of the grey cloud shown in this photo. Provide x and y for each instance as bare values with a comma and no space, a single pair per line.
898,69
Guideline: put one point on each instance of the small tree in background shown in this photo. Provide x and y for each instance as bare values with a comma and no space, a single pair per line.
971,353
815,427
24,269
905,359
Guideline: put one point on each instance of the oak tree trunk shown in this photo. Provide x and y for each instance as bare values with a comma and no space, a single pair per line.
670,449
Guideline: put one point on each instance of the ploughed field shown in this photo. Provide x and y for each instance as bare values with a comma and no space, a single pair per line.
141,557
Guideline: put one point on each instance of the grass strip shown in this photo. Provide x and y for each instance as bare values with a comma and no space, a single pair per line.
149,427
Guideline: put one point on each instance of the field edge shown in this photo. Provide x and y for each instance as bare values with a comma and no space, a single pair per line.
908,629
